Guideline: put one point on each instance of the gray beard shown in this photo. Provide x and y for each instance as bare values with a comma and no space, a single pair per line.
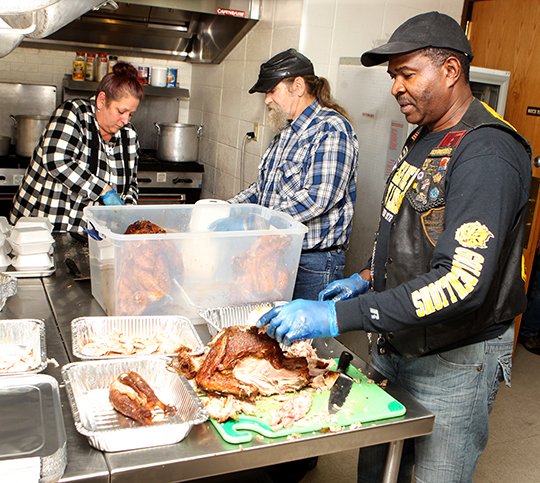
277,120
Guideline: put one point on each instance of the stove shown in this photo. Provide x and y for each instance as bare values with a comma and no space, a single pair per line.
160,182
163,182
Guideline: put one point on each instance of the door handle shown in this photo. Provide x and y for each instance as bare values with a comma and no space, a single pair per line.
536,162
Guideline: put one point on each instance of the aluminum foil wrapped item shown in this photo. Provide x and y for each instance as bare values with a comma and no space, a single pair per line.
8,287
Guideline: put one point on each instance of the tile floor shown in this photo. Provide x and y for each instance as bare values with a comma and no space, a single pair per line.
512,454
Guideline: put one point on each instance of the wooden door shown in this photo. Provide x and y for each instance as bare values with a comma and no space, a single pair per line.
505,34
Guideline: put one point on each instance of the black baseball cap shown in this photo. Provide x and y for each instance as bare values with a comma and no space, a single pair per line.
289,63
432,29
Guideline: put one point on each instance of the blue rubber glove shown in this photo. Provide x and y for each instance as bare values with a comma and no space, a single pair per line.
111,198
345,288
227,224
301,319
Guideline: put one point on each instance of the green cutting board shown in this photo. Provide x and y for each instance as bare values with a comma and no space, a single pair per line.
365,403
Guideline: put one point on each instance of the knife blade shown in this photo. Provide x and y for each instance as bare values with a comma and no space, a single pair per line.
342,387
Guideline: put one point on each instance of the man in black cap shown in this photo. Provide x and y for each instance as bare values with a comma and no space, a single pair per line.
309,169
446,267
309,172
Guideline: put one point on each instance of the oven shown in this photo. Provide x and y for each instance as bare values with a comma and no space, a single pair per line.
168,182
12,170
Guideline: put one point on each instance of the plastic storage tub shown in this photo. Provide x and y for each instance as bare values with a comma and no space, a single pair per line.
252,257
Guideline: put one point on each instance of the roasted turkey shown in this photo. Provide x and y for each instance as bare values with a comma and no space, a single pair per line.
131,396
146,270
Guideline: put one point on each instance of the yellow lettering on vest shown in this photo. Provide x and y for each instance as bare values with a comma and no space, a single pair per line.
399,183
469,260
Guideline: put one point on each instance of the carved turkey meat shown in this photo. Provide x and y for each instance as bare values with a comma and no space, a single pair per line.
244,363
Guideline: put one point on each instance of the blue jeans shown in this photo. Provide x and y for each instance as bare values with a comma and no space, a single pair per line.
458,386
316,271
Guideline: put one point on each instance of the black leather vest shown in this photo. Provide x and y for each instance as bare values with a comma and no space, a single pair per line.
415,232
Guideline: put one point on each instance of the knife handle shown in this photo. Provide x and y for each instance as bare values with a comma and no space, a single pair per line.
73,268
344,360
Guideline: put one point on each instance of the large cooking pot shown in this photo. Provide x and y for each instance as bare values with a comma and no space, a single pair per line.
177,141
29,130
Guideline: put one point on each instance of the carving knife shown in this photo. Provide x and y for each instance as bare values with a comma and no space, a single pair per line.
341,388
74,269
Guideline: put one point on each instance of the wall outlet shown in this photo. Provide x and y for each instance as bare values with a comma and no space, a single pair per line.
256,129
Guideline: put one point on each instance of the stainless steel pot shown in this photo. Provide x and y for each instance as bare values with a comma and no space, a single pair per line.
5,141
177,141
29,130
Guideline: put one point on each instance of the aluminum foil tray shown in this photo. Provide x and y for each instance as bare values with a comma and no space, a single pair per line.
22,346
121,336
221,317
32,432
87,386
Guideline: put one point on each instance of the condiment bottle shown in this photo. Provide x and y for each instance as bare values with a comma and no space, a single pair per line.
78,67
90,67
112,62
102,66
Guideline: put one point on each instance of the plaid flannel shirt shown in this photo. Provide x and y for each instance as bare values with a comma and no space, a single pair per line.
309,172
58,183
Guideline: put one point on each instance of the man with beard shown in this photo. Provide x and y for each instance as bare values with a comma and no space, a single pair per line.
309,169
446,265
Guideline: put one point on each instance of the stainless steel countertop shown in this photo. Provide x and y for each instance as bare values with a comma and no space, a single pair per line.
58,300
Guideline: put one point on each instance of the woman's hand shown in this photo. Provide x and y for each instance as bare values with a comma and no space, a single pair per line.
110,197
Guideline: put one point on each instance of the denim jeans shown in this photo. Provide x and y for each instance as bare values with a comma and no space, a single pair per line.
316,271
458,386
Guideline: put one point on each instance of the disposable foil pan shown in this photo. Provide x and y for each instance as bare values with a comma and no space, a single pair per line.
32,433
220,317
87,386
111,337
22,346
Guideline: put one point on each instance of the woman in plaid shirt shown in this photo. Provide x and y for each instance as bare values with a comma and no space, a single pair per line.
88,153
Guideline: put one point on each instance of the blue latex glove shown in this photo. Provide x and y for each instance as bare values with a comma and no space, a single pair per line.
345,288
301,319
227,224
111,198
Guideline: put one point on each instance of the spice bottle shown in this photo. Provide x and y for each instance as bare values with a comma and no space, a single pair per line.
90,66
102,66
78,67
112,62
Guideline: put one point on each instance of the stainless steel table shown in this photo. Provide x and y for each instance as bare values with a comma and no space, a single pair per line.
58,299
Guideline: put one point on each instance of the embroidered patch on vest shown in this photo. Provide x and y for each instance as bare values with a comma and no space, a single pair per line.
433,224
427,191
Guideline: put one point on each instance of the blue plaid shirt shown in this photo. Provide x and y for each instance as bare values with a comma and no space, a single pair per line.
309,172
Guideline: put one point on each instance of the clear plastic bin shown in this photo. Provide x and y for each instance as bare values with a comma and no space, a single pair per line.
191,267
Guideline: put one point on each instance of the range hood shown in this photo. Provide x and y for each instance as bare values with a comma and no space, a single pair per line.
198,31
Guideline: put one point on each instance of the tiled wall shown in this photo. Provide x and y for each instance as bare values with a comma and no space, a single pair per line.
222,104
324,30
48,67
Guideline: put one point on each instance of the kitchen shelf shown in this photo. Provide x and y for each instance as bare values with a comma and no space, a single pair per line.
69,84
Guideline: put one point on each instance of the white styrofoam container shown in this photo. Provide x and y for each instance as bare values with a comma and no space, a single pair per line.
186,269
34,222
35,261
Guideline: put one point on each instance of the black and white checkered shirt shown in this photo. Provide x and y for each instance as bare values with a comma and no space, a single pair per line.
60,180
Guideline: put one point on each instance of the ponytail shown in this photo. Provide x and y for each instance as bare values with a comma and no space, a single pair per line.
319,87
